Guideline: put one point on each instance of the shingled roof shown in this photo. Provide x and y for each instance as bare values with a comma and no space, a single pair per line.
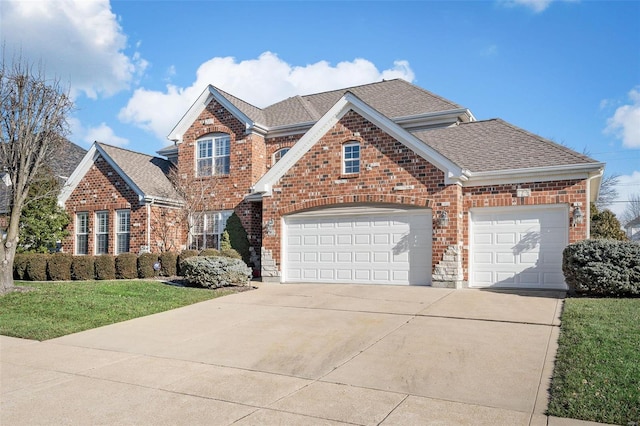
494,145
393,98
148,173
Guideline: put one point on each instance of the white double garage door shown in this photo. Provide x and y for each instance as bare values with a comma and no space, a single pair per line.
510,247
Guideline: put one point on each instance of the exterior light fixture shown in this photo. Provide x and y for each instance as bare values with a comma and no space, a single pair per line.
578,216
443,219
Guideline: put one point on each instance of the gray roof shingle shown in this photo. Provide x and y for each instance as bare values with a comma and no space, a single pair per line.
393,98
149,173
494,145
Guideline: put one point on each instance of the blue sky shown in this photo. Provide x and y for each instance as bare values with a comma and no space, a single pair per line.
566,70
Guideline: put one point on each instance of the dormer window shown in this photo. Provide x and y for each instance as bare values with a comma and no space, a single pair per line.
279,154
351,158
213,155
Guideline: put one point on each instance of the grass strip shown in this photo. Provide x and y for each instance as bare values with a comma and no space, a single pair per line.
52,310
597,370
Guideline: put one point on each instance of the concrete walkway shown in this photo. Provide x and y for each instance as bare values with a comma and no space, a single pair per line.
299,355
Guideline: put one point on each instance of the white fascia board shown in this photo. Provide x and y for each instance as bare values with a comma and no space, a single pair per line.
430,118
534,174
347,103
163,201
76,176
199,105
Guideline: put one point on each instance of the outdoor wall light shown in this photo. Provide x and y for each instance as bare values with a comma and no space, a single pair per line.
443,219
578,216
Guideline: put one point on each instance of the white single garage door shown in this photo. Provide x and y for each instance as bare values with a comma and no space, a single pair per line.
358,245
518,246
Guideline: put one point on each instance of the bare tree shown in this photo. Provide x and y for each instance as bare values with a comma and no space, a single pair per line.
631,210
608,192
33,124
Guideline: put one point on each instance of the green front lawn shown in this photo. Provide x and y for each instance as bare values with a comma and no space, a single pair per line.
56,309
597,371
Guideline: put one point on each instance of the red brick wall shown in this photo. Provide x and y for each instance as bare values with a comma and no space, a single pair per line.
311,182
247,164
102,189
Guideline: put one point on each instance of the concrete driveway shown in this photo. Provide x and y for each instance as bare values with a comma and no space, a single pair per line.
299,355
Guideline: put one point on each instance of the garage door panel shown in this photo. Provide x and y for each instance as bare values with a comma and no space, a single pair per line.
518,247
386,248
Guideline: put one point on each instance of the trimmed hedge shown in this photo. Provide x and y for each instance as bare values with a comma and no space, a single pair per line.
37,267
169,264
20,266
215,272
59,267
602,268
126,265
209,252
82,268
185,254
145,265
105,267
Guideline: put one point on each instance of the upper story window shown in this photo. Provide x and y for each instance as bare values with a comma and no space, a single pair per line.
351,158
82,233
213,155
279,154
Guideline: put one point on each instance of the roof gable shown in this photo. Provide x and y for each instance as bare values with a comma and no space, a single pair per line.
350,102
144,174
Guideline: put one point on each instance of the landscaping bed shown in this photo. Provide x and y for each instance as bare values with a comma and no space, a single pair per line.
597,371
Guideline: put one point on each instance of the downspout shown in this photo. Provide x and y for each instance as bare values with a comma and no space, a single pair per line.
149,225
588,207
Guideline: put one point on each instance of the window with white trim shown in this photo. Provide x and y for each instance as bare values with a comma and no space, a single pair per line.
279,154
213,155
207,229
351,158
123,218
102,232
82,233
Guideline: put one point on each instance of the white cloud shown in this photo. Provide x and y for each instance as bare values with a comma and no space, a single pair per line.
627,185
261,82
101,133
625,123
79,41
536,6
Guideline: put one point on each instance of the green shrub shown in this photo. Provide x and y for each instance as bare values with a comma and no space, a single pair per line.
169,263
105,267
602,267
185,254
126,265
82,268
145,265
225,242
231,254
215,272
20,266
238,237
209,252
59,267
37,267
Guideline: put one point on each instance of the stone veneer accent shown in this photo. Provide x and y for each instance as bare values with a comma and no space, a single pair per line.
448,272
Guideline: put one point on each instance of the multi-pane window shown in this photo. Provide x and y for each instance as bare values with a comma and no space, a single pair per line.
82,233
122,231
279,154
208,228
102,232
214,156
351,157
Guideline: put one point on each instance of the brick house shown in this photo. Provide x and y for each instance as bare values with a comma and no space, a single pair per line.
381,183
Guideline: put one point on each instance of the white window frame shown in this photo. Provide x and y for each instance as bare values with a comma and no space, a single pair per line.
208,227
213,155
351,162
101,230
82,230
123,231
277,156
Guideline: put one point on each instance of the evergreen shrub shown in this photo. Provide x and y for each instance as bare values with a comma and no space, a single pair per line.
602,267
